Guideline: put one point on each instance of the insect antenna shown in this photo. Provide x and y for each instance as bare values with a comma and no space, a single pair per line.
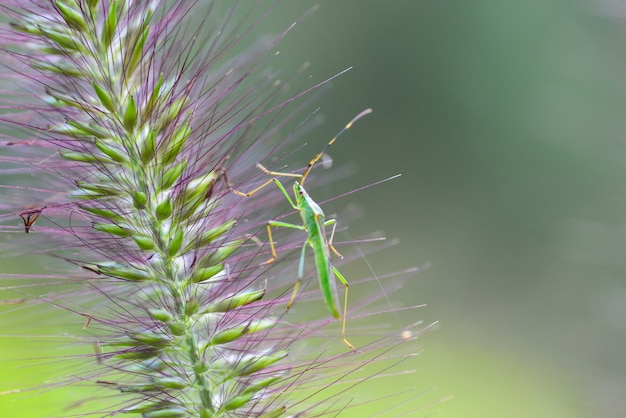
332,141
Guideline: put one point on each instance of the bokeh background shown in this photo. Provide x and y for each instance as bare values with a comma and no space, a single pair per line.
505,119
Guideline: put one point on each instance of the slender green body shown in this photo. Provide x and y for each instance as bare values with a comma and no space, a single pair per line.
313,221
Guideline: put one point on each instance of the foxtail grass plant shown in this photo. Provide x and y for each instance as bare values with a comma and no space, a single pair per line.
127,124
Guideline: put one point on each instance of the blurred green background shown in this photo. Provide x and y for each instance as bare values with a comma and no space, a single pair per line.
504,119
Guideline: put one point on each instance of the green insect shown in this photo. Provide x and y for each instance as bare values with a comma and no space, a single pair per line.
314,224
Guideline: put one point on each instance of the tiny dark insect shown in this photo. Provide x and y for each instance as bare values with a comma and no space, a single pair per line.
29,217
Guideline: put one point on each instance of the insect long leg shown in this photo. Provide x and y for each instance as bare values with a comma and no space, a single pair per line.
270,224
250,193
277,173
89,318
269,236
332,222
296,286
262,186
345,309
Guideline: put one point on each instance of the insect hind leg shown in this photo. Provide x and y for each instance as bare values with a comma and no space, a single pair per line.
333,222
345,309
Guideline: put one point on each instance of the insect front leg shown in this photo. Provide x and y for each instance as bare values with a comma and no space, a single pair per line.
267,183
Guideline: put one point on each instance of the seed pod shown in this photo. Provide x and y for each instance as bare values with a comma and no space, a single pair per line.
112,152
175,244
172,174
250,392
112,229
148,147
130,114
152,339
123,272
171,382
110,24
253,364
200,275
144,243
164,209
232,334
139,200
160,315
211,235
235,301
71,16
